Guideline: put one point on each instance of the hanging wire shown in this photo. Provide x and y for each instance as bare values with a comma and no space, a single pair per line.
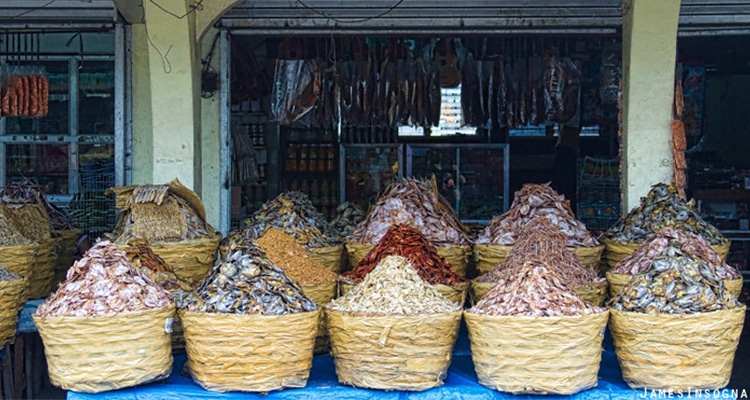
351,21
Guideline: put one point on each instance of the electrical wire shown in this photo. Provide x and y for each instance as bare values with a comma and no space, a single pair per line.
31,10
350,21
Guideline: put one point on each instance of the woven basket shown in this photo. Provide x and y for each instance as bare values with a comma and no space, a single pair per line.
618,281
330,257
20,261
249,352
12,297
457,256
95,354
594,293
190,259
393,352
67,253
537,355
678,352
455,293
487,256
616,251
43,274
321,295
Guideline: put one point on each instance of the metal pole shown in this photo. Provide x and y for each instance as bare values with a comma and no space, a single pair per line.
119,105
73,178
224,129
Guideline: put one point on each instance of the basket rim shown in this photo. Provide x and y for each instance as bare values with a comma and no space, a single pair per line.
390,316
606,312
510,246
183,311
154,310
635,314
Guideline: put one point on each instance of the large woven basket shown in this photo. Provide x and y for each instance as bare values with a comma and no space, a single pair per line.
190,259
618,281
12,297
457,256
248,352
20,261
455,293
487,256
594,293
393,352
330,257
43,274
616,251
679,351
538,355
321,295
67,253
95,354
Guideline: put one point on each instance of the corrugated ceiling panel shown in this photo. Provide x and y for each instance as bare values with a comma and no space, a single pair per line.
19,12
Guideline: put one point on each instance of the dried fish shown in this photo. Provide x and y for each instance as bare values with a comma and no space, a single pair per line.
539,239
6,275
247,282
674,242
532,200
393,287
406,241
29,191
412,202
148,263
661,208
103,283
536,290
293,213
295,260
348,215
8,235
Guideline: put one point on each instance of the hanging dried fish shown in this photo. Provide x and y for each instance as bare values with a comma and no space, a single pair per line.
661,208
411,202
103,283
247,282
532,200
393,287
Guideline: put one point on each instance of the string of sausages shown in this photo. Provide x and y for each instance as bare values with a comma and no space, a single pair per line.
25,96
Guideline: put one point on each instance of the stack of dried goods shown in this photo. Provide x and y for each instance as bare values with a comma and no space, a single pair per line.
282,249
530,201
17,253
348,216
24,94
12,298
247,282
148,263
9,236
662,208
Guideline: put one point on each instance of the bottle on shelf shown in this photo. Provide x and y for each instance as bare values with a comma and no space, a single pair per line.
292,164
304,164
330,157
312,158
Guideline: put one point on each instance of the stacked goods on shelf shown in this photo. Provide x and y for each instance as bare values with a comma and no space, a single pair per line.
102,321
539,239
531,333
27,214
392,331
661,208
674,324
12,297
173,220
294,213
663,248
25,93
417,203
248,326
348,216
499,237
317,282
17,253
148,263
408,242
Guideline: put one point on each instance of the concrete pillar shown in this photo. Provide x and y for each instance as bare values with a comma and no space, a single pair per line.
649,51
211,140
143,143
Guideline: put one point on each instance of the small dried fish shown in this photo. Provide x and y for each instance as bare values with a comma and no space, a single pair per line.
406,241
295,260
6,275
393,287
348,215
148,263
532,200
412,202
29,191
536,290
103,283
8,235
247,282
661,208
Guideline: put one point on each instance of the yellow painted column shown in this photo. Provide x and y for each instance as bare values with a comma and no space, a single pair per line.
649,52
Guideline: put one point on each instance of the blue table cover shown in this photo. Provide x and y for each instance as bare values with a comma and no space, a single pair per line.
25,322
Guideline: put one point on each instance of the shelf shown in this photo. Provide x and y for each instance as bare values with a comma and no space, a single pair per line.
725,195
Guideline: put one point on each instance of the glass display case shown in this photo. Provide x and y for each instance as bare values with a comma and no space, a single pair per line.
474,178
366,170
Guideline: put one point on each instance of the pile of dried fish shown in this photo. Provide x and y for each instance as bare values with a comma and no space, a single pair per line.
535,290
8,235
541,240
247,282
532,200
29,191
348,215
103,283
670,242
293,213
674,282
295,260
148,263
393,287
406,241
6,275
412,202
661,208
